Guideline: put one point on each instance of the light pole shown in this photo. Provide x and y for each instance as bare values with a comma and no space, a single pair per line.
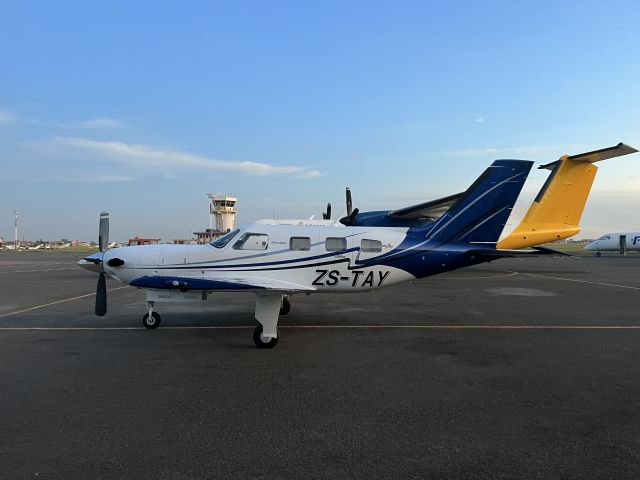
15,244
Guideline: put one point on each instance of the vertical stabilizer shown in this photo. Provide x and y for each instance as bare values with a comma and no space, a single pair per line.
556,211
480,214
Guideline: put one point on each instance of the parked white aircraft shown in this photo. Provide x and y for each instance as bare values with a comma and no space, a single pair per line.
616,242
275,261
313,256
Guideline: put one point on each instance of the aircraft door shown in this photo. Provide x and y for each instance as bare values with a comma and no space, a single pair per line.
334,258
623,244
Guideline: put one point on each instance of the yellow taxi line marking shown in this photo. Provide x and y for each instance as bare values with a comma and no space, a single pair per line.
57,302
346,327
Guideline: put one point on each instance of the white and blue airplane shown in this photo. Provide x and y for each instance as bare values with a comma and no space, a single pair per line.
615,242
276,261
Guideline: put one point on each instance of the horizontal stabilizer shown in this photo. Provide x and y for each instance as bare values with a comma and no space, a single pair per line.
506,253
596,155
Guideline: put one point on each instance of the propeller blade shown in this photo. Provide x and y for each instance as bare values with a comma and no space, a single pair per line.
327,215
103,231
349,202
350,221
101,296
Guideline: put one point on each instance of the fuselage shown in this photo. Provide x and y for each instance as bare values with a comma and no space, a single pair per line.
294,258
612,242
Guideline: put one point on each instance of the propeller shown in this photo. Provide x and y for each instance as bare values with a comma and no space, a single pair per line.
327,215
101,296
101,289
352,213
103,231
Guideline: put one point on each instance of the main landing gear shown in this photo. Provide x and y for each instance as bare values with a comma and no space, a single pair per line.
285,307
151,319
263,342
269,306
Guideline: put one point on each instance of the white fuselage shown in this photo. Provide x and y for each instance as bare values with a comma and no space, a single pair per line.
269,261
611,242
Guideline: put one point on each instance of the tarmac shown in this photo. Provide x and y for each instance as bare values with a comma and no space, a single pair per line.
521,368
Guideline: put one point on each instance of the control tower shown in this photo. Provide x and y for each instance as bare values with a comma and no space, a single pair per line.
222,217
222,212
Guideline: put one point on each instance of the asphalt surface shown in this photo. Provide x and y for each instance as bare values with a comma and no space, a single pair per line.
514,369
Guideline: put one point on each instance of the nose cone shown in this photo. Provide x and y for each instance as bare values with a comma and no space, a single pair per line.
92,262
592,246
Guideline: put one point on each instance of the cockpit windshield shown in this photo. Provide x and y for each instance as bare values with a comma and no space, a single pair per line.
226,238
605,237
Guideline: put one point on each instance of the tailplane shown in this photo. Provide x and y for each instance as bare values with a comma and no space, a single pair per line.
556,211
480,214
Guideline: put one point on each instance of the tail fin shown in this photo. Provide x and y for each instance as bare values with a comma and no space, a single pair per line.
556,211
480,214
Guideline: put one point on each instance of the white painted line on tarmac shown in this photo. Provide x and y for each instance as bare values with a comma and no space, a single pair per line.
345,327
57,302
40,270
579,281
504,275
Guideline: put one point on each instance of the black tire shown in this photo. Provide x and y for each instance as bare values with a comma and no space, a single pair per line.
153,322
598,254
285,307
257,339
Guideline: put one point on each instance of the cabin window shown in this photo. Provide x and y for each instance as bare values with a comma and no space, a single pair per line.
370,246
335,244
223,240
300,243
252,241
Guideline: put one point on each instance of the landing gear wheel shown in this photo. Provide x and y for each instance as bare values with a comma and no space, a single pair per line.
263,342
598,254
286,306
152,321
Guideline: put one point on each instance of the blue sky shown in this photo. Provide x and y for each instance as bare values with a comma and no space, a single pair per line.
141,108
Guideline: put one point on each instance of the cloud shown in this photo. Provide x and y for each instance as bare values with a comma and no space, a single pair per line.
106,178
479,120
145,157
98,123
522,150
7,117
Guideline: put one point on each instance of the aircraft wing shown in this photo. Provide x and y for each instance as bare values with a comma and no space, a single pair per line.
432,209
231,283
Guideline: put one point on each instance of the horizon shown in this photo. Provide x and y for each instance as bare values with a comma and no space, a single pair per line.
141,109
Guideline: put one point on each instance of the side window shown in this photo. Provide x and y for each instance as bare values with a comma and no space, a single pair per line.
252,241
300,243
371,246
335,244
223,240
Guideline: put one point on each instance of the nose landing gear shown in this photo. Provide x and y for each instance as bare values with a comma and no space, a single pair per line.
151,319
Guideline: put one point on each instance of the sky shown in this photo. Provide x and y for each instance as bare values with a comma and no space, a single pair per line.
142,108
